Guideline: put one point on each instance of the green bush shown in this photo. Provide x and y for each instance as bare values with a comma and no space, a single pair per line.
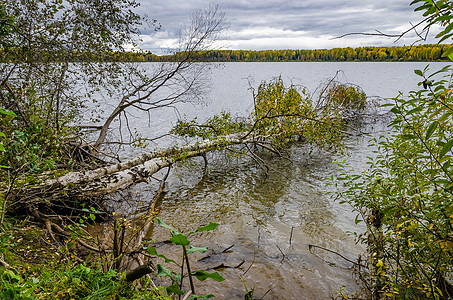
28,279
405,197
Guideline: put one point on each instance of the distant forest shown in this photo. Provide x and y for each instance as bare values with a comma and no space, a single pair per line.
405,53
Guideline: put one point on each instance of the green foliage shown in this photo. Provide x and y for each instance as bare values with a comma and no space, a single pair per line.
223,124
6,22
38,41
438,12
33,148
347,96
72,282
406,196
181,239
72,30
27,280
6,117
283,115
405,53
209,227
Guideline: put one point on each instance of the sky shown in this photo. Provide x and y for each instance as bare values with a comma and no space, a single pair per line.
282,24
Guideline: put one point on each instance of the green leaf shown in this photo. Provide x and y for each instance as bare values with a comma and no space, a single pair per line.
449,28
193,249
418,72
12,277
447,164
174,288
443,18
210,226
444,116
162,271
7,112
446,36
203,275
408,136
153,251
414,110
179,239
446,68
395,110
162,224
431,130
446,148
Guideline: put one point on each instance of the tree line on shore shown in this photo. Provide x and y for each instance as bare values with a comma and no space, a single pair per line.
429,52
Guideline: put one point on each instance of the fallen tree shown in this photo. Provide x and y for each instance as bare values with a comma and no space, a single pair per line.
59,176
112,178
281,116
48,160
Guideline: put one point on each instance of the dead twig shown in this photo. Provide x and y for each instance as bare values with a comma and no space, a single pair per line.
291,235
284,256
222,266
228,248
4,263
331,251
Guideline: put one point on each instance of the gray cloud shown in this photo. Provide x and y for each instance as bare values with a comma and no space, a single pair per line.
272,24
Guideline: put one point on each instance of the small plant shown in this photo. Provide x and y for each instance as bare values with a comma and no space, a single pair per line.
248,293
181,239
22,277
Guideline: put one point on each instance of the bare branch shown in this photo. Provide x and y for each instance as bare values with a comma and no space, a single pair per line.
397,36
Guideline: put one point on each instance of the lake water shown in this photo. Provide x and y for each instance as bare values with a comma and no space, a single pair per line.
261,212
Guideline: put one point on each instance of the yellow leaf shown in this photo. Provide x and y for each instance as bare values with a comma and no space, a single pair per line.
380,263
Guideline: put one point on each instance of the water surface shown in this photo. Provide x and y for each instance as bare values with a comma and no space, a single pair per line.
271,217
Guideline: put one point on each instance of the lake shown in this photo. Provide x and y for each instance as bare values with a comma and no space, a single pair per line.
269,218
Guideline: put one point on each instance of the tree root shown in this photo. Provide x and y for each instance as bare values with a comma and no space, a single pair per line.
39,217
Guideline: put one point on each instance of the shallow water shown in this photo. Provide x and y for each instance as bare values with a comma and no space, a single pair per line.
269,217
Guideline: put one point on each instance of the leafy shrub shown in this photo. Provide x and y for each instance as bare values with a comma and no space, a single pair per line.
27,279
282,115
406,196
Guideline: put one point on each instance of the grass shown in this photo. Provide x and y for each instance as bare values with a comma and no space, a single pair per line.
38,271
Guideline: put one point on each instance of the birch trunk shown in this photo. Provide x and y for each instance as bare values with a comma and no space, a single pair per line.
106,180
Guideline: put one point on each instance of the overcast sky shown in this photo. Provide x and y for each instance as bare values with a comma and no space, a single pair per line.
295,24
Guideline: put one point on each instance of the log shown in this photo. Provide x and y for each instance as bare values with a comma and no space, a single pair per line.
106,180
120,176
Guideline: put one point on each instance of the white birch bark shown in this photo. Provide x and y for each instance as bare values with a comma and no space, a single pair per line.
109,179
